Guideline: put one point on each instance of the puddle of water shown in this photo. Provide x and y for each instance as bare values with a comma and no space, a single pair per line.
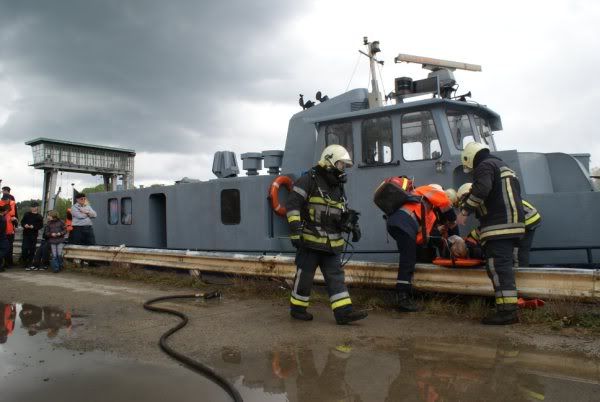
427,371
34,367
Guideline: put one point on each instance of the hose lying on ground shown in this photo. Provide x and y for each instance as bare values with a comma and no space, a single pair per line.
188,362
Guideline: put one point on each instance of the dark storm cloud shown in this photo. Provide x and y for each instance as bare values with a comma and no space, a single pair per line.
147,75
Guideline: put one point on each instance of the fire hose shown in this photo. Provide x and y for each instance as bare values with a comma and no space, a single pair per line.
187,361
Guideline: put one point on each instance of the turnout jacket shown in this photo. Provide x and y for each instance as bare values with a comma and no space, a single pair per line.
314,212
495,198
532,221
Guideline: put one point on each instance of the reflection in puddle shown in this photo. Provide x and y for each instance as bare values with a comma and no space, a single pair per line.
34,319
429,371
35,367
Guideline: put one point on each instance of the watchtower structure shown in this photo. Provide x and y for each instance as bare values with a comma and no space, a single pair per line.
53,156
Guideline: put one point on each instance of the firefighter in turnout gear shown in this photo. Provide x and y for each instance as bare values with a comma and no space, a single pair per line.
318,214
495,198
533,219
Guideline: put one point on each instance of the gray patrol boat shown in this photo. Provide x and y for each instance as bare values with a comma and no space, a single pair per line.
422,138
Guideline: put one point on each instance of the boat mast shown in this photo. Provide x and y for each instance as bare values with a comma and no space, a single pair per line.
374,96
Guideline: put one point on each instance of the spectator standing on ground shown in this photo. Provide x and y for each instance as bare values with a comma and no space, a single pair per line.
3,238
55,232
11,224
82,212
31,223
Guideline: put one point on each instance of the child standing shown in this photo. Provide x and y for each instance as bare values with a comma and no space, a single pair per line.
55,231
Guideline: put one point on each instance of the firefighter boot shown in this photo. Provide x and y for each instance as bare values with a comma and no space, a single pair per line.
346,315
405,303
300,314
501,318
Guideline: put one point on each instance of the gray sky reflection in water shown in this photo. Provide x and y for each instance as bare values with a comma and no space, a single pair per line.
35,367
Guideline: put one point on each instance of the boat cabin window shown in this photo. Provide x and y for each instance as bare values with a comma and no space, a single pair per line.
460,127
484,130
126,211
230,207
113,211
341,134
420,139
376,137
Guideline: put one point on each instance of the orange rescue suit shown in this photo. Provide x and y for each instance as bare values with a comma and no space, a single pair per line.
432,198
10,228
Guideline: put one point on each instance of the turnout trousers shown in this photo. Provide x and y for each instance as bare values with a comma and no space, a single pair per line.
524,247
499,264
307,261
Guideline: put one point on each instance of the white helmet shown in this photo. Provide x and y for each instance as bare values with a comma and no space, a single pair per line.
451,193
462,190
333,154
437,186
468,154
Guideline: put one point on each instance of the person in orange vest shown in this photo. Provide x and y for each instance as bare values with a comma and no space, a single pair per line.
410,226
11,223
69,222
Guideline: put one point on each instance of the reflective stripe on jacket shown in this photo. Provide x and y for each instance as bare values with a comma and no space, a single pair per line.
315,210
532,216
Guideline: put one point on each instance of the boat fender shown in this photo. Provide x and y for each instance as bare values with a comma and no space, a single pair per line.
284,181
458,262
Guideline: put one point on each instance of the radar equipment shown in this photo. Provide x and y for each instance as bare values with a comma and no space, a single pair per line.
440,80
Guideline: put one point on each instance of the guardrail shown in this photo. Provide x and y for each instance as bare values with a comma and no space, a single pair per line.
532,282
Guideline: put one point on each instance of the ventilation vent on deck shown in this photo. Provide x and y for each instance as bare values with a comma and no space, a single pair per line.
354,106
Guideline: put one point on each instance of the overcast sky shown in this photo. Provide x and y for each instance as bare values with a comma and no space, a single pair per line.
178,80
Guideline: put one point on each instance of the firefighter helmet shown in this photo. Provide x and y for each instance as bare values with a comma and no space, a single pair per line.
462,190
468,154
451,193
333,154
437,187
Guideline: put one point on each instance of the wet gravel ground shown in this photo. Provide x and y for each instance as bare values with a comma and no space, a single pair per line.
73,337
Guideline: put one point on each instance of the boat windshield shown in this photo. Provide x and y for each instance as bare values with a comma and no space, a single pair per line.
466,127
484,131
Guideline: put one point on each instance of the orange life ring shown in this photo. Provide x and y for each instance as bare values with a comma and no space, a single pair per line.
458,262
284,181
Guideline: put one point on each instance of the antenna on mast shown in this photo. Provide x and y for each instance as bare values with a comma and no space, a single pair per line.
374,97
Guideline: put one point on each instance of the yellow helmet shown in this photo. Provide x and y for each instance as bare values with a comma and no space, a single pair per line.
451,193
333,154
468,154
462,190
